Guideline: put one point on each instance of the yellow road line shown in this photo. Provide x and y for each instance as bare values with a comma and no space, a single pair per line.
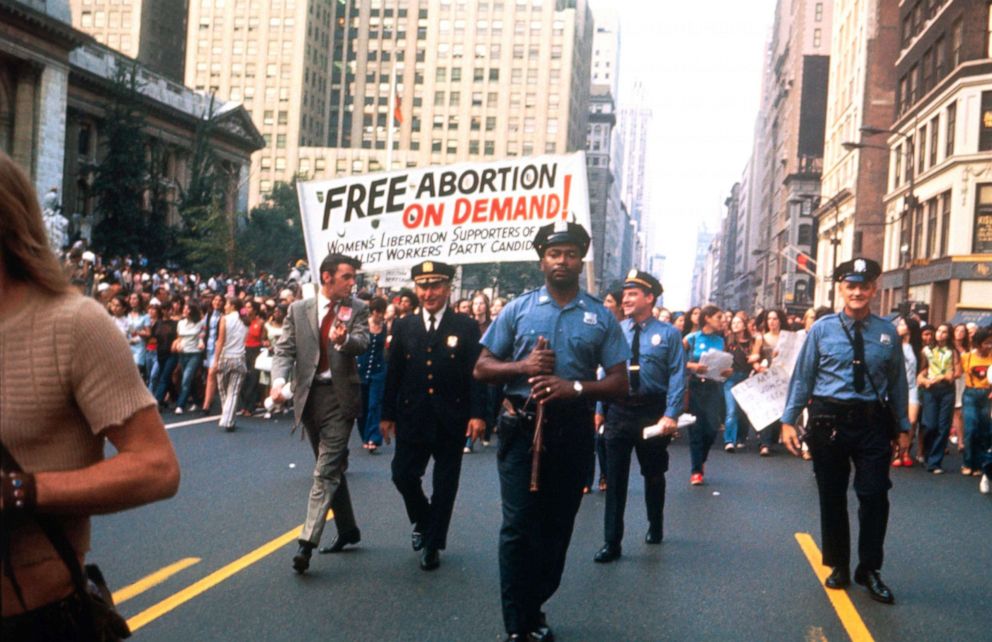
840,600
215,578
156,578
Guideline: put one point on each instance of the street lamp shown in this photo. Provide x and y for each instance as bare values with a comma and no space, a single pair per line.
910,203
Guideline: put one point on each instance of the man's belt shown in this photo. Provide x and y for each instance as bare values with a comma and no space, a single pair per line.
640,401
845,409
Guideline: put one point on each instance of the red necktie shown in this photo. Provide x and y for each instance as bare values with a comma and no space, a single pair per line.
325,330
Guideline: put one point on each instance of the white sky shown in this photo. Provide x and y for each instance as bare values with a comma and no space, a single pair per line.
700,63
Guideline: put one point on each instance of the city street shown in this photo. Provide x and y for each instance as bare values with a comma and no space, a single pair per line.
214,563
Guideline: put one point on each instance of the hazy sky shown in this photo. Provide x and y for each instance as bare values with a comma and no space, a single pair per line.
700,63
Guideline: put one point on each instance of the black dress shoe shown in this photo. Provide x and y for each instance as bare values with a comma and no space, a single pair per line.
607,554
543,632
342,540
653,536
430,559
516,637
417,540
301,561
839,578
877,589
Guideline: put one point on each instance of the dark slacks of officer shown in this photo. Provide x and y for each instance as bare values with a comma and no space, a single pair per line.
850,375
655,374
546,346
431,402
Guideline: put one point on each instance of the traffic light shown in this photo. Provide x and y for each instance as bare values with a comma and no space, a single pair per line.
922,310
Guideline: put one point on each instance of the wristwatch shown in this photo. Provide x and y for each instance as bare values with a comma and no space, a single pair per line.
577,387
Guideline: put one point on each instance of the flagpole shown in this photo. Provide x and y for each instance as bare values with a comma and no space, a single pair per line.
390,108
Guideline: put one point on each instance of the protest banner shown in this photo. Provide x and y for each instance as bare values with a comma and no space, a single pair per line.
763,396
458,214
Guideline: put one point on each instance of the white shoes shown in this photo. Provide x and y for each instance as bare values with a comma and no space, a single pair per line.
984,487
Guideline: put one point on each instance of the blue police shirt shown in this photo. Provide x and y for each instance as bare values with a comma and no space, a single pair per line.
662,362
825,366
583,335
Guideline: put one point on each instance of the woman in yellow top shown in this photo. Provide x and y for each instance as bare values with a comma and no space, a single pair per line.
975,402
936,381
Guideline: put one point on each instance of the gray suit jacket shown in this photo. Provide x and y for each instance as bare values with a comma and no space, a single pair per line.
299,348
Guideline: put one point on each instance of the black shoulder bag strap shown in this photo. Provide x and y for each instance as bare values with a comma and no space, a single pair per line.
55,535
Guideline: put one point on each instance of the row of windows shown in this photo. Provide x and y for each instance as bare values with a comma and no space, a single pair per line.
935,64
919,234
105,19
916,19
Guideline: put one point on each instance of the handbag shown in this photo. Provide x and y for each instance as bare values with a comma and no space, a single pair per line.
101,617
889,418
264,360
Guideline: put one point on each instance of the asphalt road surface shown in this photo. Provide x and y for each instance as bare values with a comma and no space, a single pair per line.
214,563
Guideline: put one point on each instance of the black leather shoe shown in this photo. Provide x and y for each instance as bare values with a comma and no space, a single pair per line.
876,587
516,637
301,561
607,554
430,559
342,540
543,632
653,536
839,578
417,540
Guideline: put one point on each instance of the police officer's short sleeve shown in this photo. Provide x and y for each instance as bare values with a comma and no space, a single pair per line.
500,335
615,348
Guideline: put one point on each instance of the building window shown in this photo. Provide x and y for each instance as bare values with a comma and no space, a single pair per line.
934,131
932,228
952,110
817,37
945,222
983,220
921,140
985,126
918,250
897,164
957,34
818,12
490,148
904,238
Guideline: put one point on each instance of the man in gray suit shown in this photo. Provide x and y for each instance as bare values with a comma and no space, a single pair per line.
321,338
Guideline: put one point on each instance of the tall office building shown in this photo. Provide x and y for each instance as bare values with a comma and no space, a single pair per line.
151,31
862,94
275,57
938,200
789,151
634,124
606,50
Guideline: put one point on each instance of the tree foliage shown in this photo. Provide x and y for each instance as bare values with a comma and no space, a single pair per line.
273,236
122,177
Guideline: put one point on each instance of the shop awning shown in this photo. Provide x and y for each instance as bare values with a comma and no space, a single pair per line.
981,317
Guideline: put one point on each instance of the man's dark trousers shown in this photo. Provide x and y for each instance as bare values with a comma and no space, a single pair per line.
624,425
537,526
431,518
860,439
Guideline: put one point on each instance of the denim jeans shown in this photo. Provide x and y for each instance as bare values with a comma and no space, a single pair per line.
706,403
190,362
732,420
164,375
938,406
977,426
368,421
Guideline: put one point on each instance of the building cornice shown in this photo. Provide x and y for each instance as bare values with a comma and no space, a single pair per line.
964,70
42,25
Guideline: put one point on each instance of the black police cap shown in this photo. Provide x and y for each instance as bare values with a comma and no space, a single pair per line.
638,279
561,232
857,270
429,272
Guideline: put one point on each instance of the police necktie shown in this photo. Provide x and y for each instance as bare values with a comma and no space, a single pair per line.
859,358
430,329
635,359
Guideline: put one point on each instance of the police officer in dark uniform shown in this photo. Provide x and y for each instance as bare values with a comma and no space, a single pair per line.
656,378
850,376
431,403
545,346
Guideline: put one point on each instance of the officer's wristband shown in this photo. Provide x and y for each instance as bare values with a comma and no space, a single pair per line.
20,492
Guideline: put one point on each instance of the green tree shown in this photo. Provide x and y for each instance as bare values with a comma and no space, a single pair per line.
273,236
121,179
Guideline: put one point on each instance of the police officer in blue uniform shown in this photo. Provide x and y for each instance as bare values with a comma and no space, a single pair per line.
656,378
850,376
431,403
545,346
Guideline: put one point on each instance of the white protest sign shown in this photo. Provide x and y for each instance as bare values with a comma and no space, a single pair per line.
763,396
458,214
787,350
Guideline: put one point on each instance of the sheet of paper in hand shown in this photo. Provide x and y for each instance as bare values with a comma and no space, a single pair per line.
716,362
762,397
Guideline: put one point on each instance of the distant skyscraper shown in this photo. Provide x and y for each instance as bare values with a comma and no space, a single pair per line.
634,125
151,31
606,50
